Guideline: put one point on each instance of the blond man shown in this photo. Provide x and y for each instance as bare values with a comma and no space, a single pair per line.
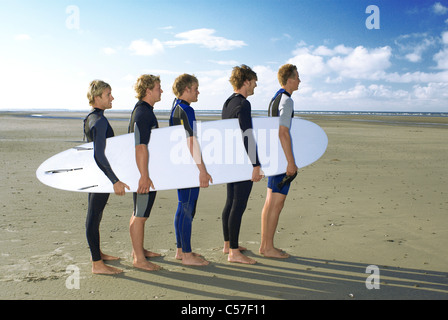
143,120
186,90
97,129
281,106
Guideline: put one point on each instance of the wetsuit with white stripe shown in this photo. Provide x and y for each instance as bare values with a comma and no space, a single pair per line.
97,129
183,114
281,106
238,193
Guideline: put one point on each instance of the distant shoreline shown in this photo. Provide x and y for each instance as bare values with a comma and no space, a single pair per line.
439,119
254,112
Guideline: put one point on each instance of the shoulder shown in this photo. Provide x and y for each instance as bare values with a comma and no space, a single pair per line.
95,119
185,107
189,110
142,110
287,101
240,101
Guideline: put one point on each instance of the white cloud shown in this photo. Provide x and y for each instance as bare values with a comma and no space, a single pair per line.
439,8
144,48
225,62
267,84
205,38
445,38
283,36
362,63
432,91
414,45
346,62
441,58
308,64
325,51
417,77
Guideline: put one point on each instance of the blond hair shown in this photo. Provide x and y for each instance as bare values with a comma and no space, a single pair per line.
286,72
96,89
240,75
144,82
182,82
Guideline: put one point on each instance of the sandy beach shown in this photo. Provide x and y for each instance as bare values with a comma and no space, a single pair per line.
378,197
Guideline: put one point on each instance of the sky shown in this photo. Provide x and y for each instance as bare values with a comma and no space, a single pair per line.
352,55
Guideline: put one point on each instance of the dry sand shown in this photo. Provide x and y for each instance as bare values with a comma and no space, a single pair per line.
377,197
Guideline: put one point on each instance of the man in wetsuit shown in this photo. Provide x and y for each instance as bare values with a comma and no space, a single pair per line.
98,129
244,81
185,89
143,120
281,106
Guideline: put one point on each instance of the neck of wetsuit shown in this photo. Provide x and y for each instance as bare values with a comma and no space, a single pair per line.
181,101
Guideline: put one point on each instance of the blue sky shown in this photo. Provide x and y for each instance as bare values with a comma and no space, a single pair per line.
51,50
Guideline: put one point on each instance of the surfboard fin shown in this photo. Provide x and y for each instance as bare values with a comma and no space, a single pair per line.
286,180
61,170
85,188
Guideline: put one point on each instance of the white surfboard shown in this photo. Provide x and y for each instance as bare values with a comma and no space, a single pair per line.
171,165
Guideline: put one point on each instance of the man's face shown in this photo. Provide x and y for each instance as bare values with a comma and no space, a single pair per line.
104,101
156,92
192,93
295,81
251,87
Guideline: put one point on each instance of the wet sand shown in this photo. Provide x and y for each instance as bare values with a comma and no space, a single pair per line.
377,197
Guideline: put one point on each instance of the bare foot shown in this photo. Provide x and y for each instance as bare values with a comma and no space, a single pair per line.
99,267
236,256
146,265
148,254
106,257
225,250
190,259
179,254
274,253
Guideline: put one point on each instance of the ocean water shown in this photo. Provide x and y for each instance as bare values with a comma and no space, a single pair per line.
362,116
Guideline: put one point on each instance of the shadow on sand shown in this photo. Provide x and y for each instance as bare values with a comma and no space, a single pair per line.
297,278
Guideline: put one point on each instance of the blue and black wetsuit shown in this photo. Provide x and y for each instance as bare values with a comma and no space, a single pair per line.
97,129
238,193
143,120
183,114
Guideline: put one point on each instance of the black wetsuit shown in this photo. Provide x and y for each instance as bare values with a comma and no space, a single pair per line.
238,193
97,129
143,120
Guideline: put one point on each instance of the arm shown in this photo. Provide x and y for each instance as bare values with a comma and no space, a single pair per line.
284,135
188,120
99,147
285,140
245,121
142,135
142,160
195,150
